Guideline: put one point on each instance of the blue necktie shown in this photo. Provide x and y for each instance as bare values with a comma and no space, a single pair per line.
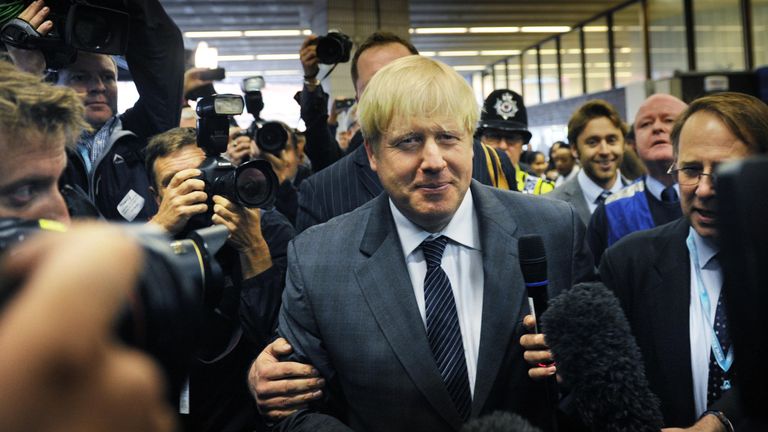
443,329
669,195
603,195
719,381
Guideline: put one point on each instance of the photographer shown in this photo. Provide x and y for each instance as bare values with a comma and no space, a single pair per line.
218,395
66,371
108,160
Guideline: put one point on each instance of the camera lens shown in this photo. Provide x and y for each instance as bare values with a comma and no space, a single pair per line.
333,48
272,137
255,184
94,32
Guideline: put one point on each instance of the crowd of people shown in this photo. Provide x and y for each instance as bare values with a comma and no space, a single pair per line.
381,291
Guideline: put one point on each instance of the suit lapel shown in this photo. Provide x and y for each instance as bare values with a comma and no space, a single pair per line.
502,292
671,314
383,278
368,179
579,203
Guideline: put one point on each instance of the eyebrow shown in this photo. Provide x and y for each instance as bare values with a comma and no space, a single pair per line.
34,180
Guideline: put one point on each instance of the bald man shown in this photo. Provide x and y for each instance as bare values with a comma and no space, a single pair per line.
653,199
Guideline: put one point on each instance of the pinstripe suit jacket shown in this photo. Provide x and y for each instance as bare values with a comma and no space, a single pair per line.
350,183
349,310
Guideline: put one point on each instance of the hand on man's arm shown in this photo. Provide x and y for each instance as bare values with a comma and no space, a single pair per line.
282,388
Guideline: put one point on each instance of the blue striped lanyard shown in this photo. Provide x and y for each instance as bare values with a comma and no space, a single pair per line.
723,360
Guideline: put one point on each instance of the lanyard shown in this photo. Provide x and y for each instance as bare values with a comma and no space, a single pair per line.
723,360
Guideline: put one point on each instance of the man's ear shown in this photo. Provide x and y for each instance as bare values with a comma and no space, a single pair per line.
371,155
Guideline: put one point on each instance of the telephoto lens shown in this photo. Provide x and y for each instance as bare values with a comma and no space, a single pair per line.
271,137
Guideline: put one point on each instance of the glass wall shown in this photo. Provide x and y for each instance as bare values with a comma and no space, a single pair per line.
513,74
760,31
570,58
549,79
530,78
500,72
667,35
596,50
628,46
719,39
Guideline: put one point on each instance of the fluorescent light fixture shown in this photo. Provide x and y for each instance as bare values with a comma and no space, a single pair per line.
499,52
272,33
545,29
595,29
213,34
277,56
625,50
494,29
237,57
458,53
469,68
440,30
306,32
206,57
595,50
428,53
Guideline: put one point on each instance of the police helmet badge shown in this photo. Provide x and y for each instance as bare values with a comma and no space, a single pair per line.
506,106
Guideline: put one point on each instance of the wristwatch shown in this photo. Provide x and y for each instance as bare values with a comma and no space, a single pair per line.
311,81
720,416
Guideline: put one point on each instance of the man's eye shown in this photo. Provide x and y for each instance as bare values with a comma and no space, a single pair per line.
691,171
22,195
409,141
447,137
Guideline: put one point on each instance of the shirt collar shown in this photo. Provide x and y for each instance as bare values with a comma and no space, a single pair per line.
705,247
591,190
463,227
656,187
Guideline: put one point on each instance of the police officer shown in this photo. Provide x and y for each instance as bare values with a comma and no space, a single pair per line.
504,125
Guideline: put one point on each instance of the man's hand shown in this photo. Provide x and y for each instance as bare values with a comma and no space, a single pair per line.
308,56
241,146
283,169
281,388
537,352
32,61
183,198
192,79
708,423
244,226
58,353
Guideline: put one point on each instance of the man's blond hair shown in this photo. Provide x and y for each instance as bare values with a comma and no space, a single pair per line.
30,105
415,87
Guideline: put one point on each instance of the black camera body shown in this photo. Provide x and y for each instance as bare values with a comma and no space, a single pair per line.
162,316
252,184
271,137
78,25
333,48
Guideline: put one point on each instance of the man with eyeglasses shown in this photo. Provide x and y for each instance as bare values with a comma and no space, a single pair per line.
668,279
504,126
653,199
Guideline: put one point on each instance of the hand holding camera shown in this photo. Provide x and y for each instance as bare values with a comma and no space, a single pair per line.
245,236
184,198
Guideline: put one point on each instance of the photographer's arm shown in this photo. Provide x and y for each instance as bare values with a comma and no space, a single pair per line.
32,61
155,58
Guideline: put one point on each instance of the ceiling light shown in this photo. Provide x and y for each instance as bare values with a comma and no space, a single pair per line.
440,30
428,53
494,29
237,57
277,57
544,29
595,29
458,53
272,33
213,34
499,52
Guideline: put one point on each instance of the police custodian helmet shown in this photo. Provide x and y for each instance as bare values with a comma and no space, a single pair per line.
505,110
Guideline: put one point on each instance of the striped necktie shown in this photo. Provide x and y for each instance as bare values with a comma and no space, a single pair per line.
443,329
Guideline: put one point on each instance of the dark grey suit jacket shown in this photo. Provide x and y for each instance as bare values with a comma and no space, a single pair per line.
650,273
349,310
571,192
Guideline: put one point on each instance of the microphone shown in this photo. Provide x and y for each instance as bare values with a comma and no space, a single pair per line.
533,264
599,361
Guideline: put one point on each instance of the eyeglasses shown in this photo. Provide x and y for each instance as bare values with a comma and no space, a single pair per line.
495,137
691,176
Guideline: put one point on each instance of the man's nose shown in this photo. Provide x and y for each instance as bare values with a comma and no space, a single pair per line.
432,156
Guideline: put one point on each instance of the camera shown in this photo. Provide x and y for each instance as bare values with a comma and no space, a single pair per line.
271,137
162,315
254,102
344,104
334,48
251,184
77,25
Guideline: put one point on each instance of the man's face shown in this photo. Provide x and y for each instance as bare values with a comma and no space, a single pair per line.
653,124
187,157
373,59
564,161
94,78
29,175
705,141
600,149
509,142
425,165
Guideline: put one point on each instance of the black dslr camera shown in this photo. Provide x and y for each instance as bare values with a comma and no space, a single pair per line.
162,316
334,48
271,137
252,184
77,25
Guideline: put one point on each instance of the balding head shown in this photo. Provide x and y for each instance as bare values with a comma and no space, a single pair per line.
653,124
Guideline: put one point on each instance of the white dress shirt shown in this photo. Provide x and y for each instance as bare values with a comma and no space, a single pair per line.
591,190
462,262
699,326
